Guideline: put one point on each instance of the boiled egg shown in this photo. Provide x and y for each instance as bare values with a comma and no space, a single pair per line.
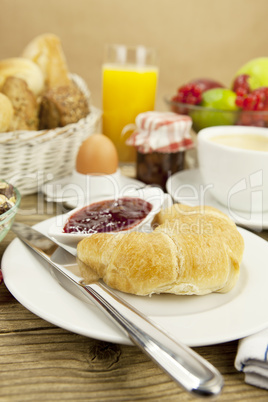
97,154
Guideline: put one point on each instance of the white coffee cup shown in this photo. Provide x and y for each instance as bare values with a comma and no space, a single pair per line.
238,177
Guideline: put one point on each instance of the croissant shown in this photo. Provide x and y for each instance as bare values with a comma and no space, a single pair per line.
190,251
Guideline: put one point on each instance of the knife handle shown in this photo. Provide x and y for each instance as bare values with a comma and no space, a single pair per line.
182,364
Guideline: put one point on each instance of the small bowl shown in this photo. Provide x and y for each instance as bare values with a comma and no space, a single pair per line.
204,117
236,177
153,195
7,218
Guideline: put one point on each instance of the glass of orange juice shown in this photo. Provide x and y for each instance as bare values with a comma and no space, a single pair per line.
129,84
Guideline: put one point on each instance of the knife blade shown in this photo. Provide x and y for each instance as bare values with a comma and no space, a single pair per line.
181,363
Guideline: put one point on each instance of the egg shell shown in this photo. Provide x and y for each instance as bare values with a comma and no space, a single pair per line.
97,154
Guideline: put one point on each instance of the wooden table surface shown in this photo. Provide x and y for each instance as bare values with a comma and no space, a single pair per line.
41,362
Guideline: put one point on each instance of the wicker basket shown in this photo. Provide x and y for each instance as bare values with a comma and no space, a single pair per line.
28,159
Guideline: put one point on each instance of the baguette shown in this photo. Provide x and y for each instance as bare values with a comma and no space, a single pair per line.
46,51
189,252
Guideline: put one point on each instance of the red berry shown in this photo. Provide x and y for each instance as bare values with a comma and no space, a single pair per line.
241,92
256,100
191,93
241,83
255,108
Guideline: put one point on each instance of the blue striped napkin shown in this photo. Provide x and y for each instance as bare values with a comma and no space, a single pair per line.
252,359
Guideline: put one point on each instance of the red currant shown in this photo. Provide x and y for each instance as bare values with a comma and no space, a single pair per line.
256,100
241,84
191,93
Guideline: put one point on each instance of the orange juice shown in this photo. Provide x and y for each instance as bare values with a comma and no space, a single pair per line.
127,91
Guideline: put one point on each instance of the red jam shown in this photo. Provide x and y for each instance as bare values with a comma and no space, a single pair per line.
108,216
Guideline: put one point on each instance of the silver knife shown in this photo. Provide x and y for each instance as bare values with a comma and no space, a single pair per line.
182,364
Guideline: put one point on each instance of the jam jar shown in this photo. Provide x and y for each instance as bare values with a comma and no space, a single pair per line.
161,139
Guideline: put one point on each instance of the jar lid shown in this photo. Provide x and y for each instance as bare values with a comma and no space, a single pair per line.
161,132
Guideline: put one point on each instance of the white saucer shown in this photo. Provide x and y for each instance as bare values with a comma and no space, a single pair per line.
187,187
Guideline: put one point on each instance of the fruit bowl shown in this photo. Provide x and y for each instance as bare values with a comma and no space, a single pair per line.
206,117
7,218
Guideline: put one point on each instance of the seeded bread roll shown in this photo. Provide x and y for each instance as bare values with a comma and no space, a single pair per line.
24,104
192,253
6,113
61,106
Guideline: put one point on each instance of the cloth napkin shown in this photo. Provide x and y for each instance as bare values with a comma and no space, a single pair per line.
161,132
252,359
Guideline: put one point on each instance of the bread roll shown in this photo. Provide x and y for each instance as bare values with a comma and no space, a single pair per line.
24,104
6,113
46,51
193,253
24,69
61,106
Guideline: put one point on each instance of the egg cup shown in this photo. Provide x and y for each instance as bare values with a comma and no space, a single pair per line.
98,185
80,188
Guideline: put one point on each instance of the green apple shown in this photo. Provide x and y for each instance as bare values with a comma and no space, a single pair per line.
222,100
257,69
219,98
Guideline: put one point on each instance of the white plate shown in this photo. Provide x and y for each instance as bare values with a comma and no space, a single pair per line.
194,320
187,187
75,194
153,195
